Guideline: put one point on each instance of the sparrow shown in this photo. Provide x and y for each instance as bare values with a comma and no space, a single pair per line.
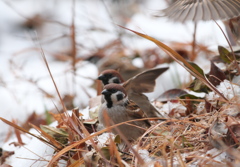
135,87
119,61
195,10
117,108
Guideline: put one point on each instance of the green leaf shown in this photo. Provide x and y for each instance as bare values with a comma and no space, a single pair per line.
190,96
106,152
225,55
117,139
196,68
198,86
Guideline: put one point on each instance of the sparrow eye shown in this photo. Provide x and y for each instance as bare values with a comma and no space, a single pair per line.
108,75
116,80
112,90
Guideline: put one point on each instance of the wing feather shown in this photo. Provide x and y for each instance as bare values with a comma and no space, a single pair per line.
195,10
135,112
144,82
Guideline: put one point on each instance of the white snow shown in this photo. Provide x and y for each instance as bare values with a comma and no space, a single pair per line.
228,89
33,153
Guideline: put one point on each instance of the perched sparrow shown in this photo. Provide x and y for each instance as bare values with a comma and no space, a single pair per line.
195,10
119,61
117,108
135,86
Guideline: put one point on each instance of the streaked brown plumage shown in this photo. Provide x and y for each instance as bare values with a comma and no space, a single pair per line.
136,86
195,10
117,108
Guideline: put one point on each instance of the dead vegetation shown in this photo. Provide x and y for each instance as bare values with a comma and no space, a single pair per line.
198,131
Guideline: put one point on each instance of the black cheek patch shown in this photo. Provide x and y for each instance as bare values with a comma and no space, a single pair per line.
119,97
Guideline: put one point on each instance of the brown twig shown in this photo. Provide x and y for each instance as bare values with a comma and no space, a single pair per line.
193,56
229,44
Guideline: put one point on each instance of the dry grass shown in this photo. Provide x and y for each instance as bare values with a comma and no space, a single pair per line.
196,136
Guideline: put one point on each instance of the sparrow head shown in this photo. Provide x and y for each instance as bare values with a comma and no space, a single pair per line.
110,76
114,94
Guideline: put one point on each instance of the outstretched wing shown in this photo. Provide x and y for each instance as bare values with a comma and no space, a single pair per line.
195,10
145,81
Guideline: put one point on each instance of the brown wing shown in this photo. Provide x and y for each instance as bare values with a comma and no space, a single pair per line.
195,10
135,112
145,81
142,101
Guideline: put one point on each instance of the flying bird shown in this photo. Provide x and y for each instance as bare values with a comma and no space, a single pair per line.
195,10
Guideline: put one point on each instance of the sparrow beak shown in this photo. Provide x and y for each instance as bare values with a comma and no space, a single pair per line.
106,92
104,79
101,77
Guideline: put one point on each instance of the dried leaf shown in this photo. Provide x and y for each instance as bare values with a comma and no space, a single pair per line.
76,113
91,158
208,106
216,75
68,101
18,135
48,137
217,132
59,117
76,160
231,121
93,113
38,137
35,119
106,152
172,94
57,133
233,135
3,156
180,60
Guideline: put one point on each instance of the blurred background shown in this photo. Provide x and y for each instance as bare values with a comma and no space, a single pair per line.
80,38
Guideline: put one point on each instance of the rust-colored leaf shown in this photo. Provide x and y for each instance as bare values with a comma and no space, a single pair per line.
208,106
18,135
59,117
216,75
3,156
35,119
172,94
